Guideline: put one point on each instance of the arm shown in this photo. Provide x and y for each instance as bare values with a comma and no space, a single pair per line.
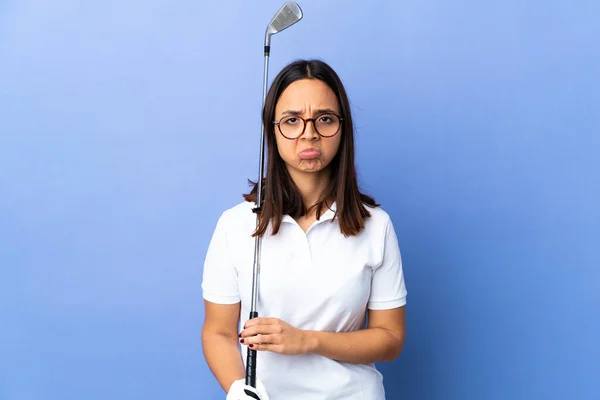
382,340
220,342
222,309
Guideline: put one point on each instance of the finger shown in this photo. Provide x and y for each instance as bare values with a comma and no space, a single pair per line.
255,321
262,339
260,321
258,330
274,348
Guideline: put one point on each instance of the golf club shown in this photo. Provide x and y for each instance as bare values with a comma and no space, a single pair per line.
288,15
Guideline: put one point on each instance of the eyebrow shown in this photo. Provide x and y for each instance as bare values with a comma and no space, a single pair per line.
316,112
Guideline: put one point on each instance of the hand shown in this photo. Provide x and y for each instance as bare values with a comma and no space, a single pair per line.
240,391
273,334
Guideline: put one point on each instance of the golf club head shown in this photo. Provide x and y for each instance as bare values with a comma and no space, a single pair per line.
288,15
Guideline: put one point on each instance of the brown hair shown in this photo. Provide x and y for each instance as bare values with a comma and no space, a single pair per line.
281,195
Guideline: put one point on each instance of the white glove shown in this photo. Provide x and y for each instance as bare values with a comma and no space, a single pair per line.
238,389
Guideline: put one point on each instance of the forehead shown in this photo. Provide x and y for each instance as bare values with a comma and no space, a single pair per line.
305,95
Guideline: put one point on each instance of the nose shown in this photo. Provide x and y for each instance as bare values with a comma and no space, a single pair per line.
309,130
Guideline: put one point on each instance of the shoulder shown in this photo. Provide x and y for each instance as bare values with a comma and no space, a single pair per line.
240,210
379,218
239,217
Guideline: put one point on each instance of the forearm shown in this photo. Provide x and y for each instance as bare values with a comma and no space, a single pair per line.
223,358
359,347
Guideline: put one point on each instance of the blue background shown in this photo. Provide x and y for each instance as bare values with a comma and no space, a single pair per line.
126,128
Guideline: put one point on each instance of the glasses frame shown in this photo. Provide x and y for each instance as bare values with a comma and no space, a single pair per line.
305,120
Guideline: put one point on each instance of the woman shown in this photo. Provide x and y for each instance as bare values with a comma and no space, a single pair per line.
330,258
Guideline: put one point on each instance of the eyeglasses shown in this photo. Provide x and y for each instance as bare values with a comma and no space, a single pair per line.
326,125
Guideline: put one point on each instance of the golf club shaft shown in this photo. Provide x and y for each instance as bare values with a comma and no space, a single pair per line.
251,355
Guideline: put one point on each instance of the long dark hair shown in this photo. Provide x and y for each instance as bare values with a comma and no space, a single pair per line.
281,195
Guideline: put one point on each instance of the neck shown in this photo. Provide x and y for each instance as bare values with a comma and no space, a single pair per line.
311,185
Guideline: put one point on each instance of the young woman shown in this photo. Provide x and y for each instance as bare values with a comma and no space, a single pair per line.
332,294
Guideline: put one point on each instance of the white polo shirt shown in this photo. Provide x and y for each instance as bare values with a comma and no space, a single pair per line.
318,280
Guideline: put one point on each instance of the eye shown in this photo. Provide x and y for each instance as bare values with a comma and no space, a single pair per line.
291,121
326,119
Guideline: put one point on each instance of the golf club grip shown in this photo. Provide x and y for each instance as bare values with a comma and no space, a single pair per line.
251,361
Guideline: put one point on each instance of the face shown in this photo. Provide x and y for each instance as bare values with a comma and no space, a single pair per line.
309,153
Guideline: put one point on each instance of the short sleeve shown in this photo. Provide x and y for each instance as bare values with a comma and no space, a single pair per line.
219,280
387,285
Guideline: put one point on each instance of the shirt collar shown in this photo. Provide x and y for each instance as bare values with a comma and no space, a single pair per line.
328,214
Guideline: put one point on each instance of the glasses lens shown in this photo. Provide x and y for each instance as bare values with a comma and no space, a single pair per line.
327,124
291,127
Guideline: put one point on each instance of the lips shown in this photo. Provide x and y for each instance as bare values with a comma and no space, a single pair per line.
310,153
